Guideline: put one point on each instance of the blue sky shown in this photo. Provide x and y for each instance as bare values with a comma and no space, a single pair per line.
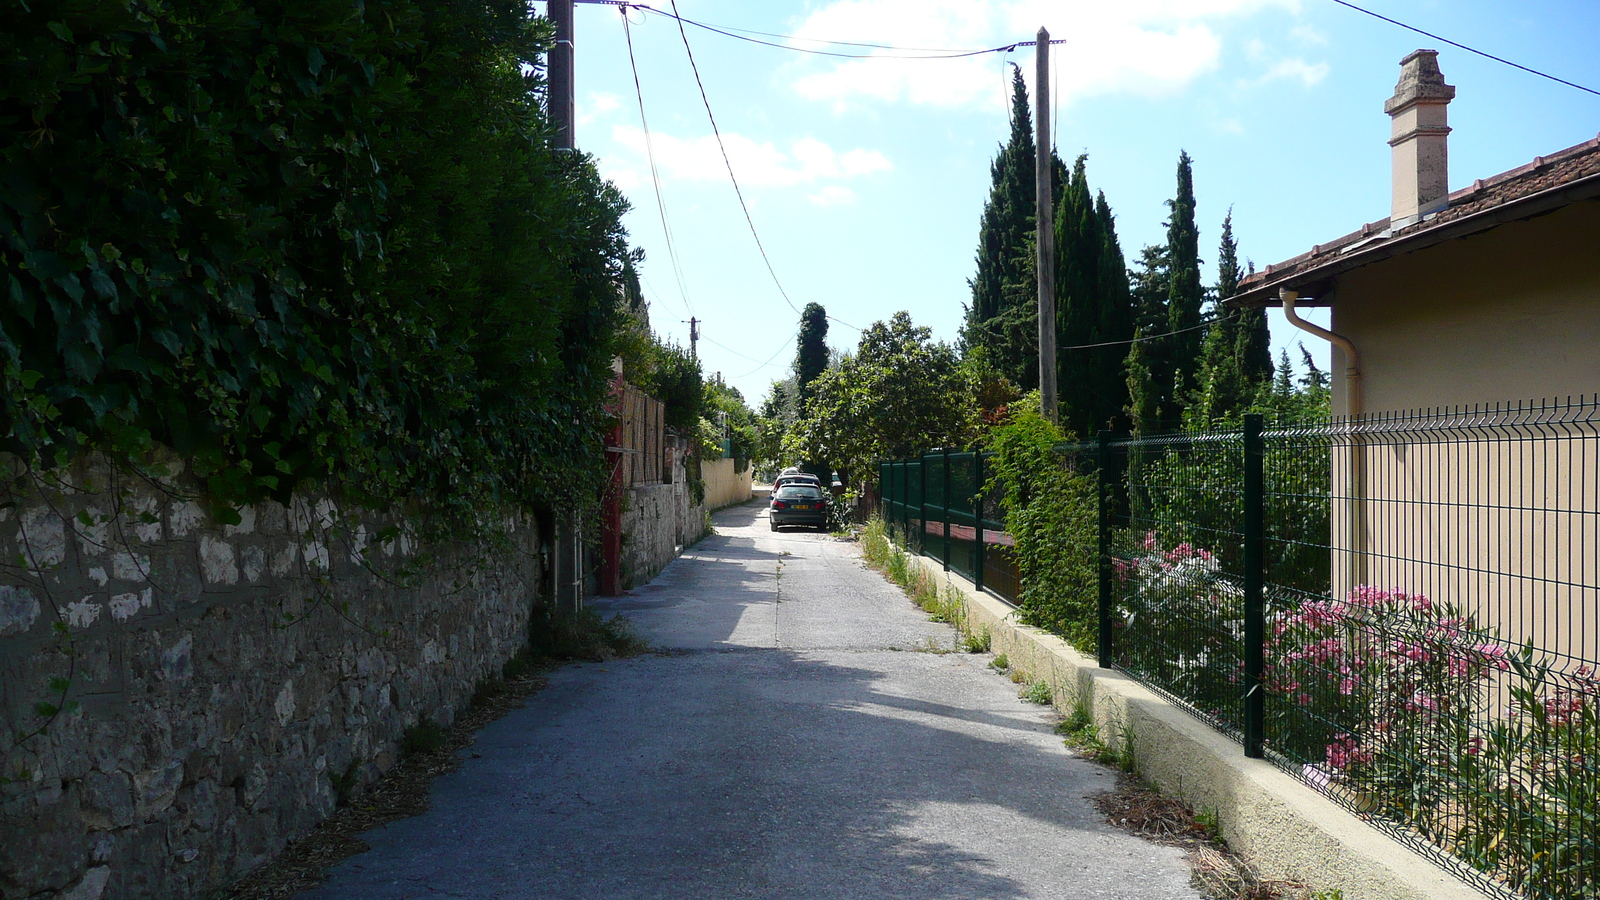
866,178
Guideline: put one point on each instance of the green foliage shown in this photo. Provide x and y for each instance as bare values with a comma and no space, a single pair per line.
583,635
426,736
898,393
998,317
1184,294
977,641
325,243
1093,307
725,411
1039,692
811,350
1050,510
672,375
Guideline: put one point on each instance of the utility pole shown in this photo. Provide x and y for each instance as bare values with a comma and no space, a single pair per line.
562,104
1044,222
694,337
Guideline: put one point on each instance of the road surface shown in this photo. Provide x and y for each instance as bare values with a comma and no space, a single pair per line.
801,732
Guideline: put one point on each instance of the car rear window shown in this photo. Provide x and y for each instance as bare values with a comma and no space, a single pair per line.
799,492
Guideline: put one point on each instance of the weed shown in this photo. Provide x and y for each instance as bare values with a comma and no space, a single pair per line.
928,645
582,635
1000,663
424,737
344,784
1206,819
977,642
1039,692
1017,677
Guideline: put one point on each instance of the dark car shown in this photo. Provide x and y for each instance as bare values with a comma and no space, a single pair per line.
799,504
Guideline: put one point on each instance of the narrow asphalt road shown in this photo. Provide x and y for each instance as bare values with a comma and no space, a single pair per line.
801,733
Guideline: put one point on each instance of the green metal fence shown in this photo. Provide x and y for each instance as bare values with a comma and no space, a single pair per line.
1401,611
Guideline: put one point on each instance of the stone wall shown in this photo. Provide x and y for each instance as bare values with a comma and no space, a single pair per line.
224,683
658,521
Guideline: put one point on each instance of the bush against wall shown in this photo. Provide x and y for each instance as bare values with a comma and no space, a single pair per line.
317,242
1050,511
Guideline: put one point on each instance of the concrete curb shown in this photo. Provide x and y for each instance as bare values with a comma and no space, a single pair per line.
1284,828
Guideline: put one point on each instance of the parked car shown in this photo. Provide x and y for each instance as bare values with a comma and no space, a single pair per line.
796,478
799,504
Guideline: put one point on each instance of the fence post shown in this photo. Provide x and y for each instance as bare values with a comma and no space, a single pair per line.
944,497
922,499
1254,605
1103,505
978,557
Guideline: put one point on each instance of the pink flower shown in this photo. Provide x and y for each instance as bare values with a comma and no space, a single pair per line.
1347,686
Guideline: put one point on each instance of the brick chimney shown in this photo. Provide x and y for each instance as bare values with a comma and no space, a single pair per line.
1419,135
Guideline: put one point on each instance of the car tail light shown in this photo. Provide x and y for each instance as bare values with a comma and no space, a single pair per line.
779,504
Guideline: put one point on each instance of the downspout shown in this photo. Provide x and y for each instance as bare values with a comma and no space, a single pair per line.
1352,361
1355,543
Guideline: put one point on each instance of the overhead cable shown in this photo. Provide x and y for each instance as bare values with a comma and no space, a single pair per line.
655,174
729,163
906,52
774,356
1468,49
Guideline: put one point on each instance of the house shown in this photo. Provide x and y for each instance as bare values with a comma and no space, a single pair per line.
1447,317
1480,295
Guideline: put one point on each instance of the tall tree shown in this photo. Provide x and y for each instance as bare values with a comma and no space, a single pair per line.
901,392
1004,276
1093,308
1185,296
811,350
1235,362
1146,367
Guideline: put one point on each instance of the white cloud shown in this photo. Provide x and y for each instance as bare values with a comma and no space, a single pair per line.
756,164
1144,47
1282,68
597,105
833,195
1306,34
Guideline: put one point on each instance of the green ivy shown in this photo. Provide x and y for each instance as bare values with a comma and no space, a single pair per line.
306,242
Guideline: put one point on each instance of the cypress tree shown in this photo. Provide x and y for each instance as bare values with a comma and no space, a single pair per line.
1116,324
1093,307
1146,366
1184,294
1004,278
1253,343
811,350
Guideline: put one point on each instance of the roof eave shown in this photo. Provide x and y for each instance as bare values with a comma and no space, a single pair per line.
1522,208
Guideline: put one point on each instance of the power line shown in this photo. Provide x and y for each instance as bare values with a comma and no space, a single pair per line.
655,174
1150,337
733,351
770,358
1468,49
909,53
727,162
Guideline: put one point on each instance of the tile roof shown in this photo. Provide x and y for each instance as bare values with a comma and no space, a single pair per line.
1575,163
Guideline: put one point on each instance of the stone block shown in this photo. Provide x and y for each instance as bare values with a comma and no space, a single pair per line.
19,610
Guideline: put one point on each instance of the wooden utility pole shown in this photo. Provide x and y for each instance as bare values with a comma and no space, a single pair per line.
1044,221
562,76
694,338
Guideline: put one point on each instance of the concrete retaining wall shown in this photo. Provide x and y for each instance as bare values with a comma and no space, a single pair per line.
228,681
724,486
1284,828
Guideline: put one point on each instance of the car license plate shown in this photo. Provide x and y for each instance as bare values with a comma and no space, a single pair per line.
802,506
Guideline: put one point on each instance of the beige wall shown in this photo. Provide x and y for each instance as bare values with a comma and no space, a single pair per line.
724,486
1501,521
1510,314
